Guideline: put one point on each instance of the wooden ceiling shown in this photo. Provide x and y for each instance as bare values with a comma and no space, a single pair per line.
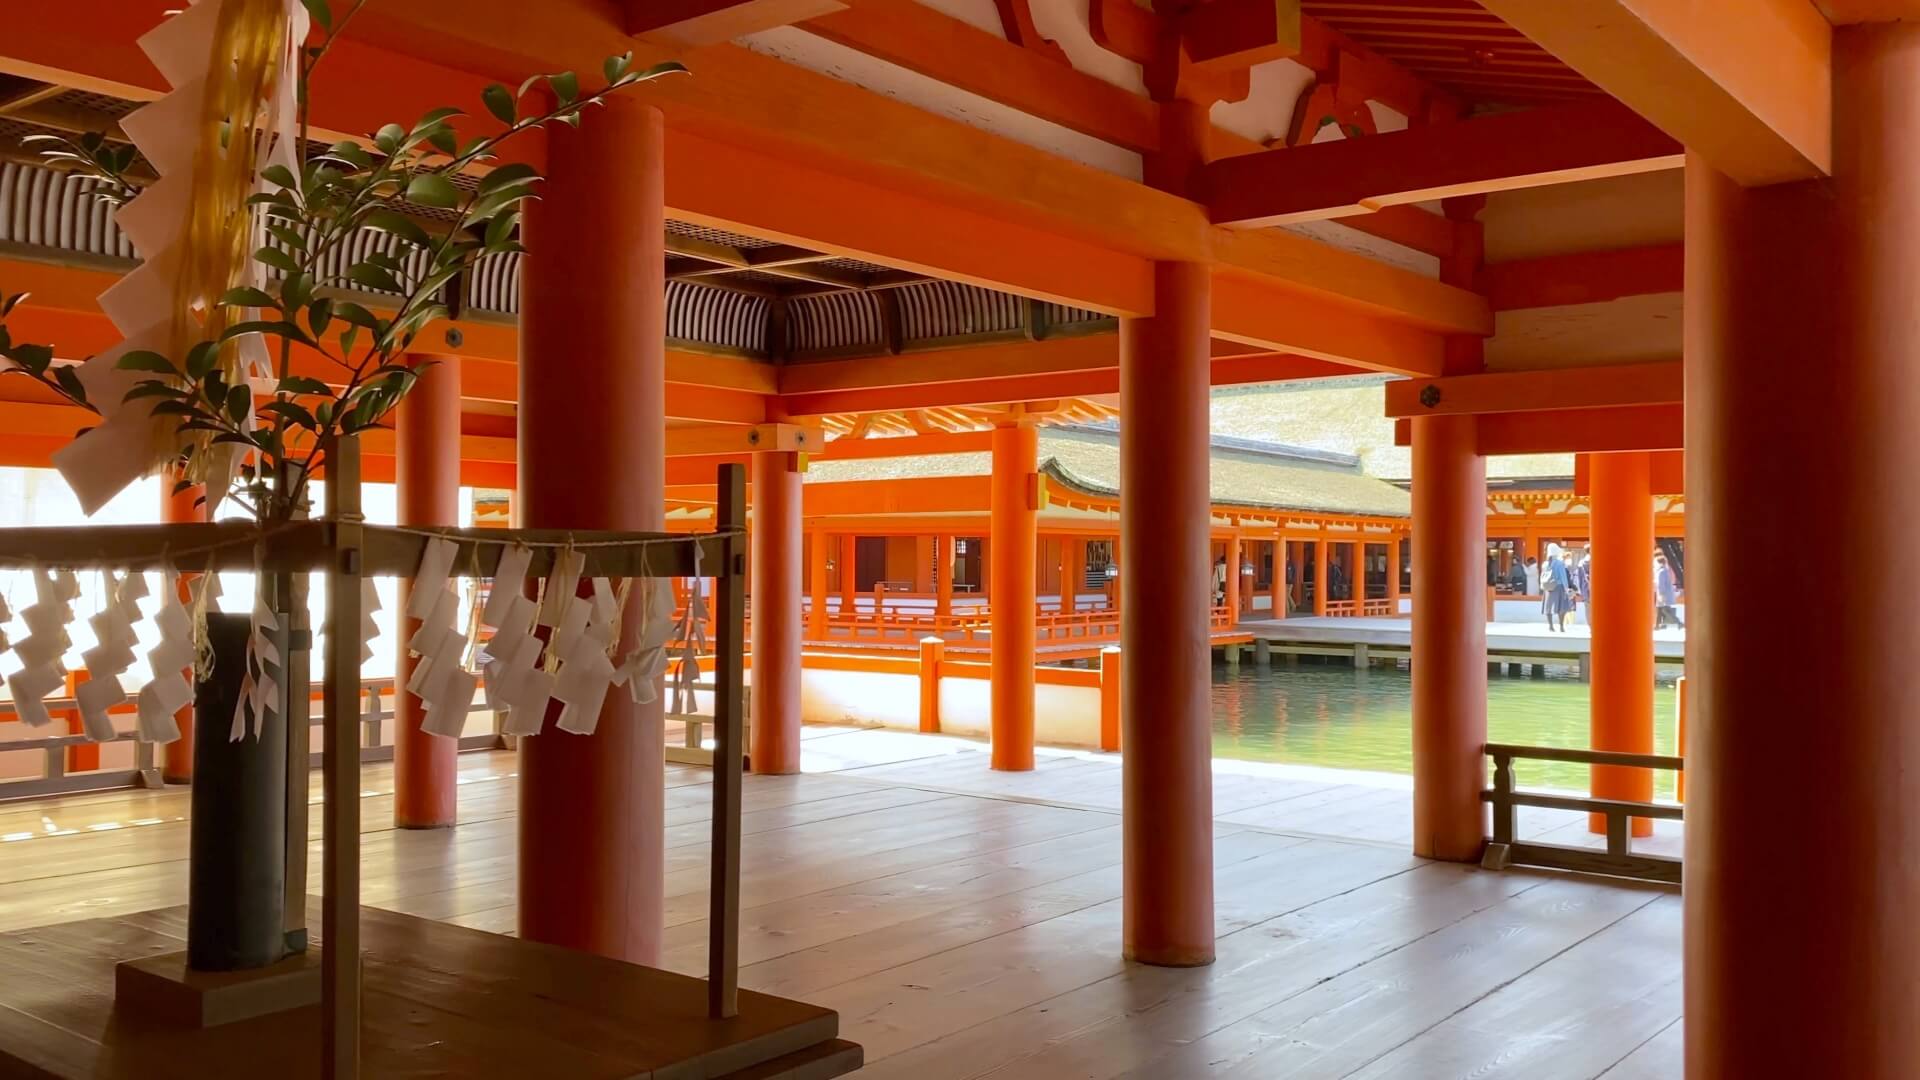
1458,45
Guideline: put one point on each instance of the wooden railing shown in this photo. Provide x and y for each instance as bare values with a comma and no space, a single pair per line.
57,778
1380,606
1618,860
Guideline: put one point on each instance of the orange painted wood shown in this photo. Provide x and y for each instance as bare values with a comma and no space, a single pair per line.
1587,277
1014,518
1500,152
1230,34
932,649
1534,391
1645,427
1776,276
1110,696
1752,93
1666,471
427,453
592,807
1167,781
1450,639
960,54
699,23
818,544
943,494
1620,697
775,626
940,442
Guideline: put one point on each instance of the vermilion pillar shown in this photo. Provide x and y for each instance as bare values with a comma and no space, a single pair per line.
923,564
1165,629
849,580
776,613
426,441
1014,600
1621,613
817,545
1321,594
943,575
1449,638
176,760
1803,375
592,447
1393,575
1277,587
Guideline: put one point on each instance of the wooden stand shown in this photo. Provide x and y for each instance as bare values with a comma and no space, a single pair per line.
164,988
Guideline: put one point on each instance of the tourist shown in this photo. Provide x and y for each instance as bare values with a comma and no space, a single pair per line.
1666,596
1583,582
1556,582
1532,575
1219,581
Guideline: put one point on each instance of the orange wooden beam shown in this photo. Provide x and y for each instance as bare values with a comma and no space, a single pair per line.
960,54
1240,33
1750,90
1538,391
1586,277
939,442
1666,469
1573,431
698,23
1502,152
930,495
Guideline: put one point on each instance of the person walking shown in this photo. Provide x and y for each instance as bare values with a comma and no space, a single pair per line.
1666,595
1556,582
1219,581
1533,576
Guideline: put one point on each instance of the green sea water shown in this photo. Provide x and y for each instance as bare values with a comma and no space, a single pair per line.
1338,716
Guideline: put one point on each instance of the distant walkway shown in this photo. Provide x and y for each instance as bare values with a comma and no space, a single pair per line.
1521,641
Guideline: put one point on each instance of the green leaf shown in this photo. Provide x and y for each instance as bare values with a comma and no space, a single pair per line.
301,384
437,116
320,316
499,102
277,259
201,358
400,225
658,70
388,138
500,229
145,360
174,408
232,437
566,86
444,140
348,338
7,304
272,327
289,236
279,176
294,413
357,315
322,17
432,189
295,291
147,388
352,153
374,277
35,358
68,377
517,174
247,297
239,403
617,66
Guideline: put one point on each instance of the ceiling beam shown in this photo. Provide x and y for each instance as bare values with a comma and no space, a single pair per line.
699,23
1240,33
1573,431
1750,90
938,442
1586,277
1523,149
1537,391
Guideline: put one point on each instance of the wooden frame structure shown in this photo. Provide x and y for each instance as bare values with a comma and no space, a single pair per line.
1504,849
346,549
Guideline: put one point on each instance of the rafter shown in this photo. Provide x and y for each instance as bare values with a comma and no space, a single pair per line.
1751,91
1572,431
1497,153
697,23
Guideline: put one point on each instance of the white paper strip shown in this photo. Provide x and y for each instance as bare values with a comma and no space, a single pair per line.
562,585
430,580
509,582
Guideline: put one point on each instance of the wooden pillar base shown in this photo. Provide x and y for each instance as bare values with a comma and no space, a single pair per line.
163,988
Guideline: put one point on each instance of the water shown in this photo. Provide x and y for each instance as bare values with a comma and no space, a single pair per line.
1362,718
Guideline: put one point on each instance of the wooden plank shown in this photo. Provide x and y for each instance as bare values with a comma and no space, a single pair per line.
729,711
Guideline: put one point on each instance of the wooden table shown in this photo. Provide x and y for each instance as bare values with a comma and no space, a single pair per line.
441,1000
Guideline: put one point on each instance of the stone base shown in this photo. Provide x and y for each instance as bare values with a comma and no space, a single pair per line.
165,989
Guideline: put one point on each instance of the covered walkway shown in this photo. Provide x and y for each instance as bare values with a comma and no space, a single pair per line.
948,912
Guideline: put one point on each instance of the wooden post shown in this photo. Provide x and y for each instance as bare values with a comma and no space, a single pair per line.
1013,604
1277,587
1320,589
295,638
1680,737
729,713
185,505
426,438
82,757
1233,580
849,582
1393,575
1110,698
1621,613
776,612
933,653
943,561
922,565
817,543
340,775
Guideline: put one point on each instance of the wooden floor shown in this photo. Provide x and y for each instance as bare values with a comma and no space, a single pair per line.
966,923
